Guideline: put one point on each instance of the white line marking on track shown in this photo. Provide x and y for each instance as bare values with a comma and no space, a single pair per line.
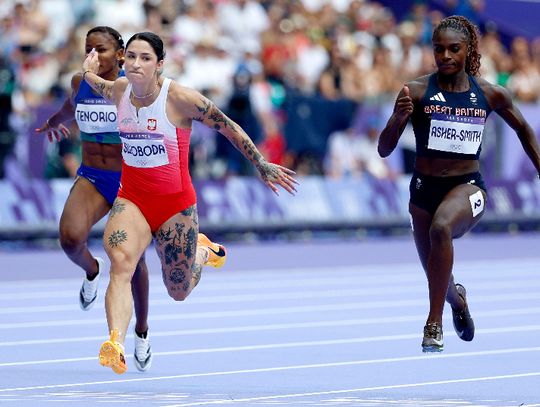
284,368
382,304
304,293
270,327
296,277
282,345
364,389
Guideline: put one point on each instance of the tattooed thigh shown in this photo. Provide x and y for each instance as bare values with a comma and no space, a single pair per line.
176,243
126,236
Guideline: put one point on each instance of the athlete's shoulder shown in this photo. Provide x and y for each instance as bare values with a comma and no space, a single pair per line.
182,94
496,95
418,86
121,82
119,86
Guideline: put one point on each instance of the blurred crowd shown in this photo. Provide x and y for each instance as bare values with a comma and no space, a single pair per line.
250,57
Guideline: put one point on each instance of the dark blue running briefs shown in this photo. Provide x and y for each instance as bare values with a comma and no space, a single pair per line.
106,182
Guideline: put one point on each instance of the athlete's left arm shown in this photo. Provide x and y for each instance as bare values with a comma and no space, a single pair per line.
197,107
501,102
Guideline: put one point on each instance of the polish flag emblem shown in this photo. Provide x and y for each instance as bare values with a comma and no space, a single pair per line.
152,124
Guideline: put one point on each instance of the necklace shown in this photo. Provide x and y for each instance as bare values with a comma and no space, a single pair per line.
145,96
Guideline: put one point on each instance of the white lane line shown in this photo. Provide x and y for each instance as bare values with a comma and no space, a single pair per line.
283,326
286,295
296,277
191,315
237,279
283,345
285,368
363,389
312,280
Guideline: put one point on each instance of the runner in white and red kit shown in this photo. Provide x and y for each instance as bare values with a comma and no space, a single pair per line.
156,200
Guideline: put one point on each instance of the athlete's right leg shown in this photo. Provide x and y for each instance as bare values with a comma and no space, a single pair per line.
84,207
142,355
140,291
127,234
421,223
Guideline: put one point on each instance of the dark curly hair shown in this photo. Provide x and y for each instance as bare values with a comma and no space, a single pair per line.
464,26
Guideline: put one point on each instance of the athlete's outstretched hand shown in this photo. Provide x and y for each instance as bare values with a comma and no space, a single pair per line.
404,103
54,131
273,174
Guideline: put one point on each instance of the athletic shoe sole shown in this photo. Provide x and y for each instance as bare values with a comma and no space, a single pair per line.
111,355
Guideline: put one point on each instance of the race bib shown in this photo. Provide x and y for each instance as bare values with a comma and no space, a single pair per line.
477,203
96,117
455,134
144,150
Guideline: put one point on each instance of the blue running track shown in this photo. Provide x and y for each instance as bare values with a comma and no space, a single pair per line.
321,323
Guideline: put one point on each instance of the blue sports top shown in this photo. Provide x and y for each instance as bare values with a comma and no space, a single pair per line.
95,116
450,124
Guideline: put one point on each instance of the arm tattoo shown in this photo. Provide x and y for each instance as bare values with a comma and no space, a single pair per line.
203,110
218,117
209,111
250,151
117,208
104,90
219,121
116,238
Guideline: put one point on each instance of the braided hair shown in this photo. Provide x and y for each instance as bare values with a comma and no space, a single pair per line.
112,33
464,26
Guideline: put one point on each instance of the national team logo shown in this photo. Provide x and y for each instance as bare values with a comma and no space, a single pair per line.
152,124
474,99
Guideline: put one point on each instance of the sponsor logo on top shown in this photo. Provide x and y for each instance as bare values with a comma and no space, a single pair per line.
439,97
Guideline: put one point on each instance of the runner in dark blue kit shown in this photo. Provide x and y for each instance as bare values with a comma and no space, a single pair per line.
448,110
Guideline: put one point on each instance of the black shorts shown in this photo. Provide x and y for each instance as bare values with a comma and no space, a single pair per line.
427,192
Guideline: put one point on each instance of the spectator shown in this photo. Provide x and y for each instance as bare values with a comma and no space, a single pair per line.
7,135
524,80
341,78
242,20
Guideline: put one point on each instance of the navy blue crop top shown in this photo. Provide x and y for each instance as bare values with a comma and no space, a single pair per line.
450,124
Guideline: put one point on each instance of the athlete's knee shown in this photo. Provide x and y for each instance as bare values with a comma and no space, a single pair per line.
178,285
122,263
440,231
178,295
179,290
71,241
